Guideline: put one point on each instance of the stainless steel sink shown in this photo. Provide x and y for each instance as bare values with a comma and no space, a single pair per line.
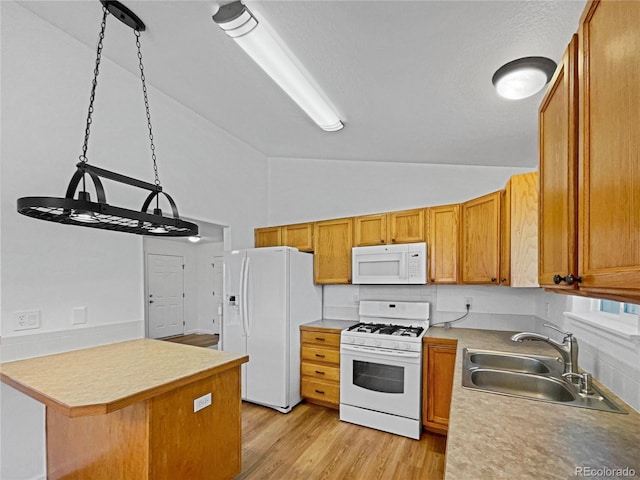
522,384
534,377
514,362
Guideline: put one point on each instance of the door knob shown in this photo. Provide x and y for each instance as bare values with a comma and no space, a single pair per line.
150,301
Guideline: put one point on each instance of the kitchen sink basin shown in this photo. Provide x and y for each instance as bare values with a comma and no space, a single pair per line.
515,363
522,384
534,377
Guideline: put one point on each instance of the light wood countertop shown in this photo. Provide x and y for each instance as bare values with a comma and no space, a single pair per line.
499,437
103,379
335,326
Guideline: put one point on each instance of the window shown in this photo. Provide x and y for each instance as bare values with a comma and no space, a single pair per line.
618,318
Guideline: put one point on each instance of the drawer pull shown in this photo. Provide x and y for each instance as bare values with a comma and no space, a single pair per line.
320,339
319,355
320,391
319,372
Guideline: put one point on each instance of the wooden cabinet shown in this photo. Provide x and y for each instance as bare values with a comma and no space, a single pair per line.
558,180
370,230
438,366
590,194
299,235
443,244
519,244
406,226
609,149
480,243
267,237
332,251
320,366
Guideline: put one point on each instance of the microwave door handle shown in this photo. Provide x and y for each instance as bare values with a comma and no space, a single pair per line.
404,262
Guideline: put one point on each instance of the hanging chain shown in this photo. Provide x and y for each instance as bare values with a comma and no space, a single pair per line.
146,106
96,71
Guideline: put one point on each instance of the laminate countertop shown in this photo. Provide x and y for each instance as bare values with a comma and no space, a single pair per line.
329,324
499,437
103,379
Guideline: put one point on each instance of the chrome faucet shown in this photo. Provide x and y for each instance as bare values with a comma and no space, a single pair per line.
568,348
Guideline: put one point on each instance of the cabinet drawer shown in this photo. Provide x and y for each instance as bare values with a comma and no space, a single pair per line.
319,390
321,338
324,355
321,372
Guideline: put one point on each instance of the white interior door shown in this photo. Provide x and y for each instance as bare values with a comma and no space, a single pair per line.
165,295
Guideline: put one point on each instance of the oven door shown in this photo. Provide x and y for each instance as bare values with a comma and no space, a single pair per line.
381,380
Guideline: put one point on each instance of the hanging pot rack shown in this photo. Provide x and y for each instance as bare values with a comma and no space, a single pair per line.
82,211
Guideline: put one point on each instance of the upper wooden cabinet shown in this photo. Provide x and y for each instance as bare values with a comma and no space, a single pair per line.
299,236
407,226
609,148
370,230
519,243
590,187
558,180
443,244
332,251
267,237
480,240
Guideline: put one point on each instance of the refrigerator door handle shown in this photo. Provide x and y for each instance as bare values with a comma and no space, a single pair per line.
241,303
246,319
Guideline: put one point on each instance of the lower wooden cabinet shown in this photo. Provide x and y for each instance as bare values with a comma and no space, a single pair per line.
320,366
438,366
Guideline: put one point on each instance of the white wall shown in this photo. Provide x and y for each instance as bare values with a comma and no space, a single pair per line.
45,81
305,190
207,308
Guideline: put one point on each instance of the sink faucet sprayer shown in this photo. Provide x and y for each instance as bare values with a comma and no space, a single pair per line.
568,349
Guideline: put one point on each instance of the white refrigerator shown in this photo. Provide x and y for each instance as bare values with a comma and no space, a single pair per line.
268,293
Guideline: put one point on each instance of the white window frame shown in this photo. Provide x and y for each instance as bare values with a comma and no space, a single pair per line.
587,311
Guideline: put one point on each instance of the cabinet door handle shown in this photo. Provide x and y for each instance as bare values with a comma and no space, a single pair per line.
493,279
504,280
321,392
569,279
433,279
382,240
319,355
393,239
320,339
319,372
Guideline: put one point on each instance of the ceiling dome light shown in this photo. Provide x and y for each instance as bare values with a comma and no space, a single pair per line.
523,77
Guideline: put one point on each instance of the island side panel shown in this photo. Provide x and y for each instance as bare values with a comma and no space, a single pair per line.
99,447
197,445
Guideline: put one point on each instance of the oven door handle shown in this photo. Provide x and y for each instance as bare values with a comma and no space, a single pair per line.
404,354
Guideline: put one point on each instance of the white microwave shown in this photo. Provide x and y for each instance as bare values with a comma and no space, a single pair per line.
404,263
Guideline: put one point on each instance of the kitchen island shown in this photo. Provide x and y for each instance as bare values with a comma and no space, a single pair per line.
495,436
137,409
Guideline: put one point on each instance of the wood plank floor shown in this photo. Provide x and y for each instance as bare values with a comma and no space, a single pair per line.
311,443
196,339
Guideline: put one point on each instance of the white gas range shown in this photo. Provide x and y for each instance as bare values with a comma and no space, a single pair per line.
381,367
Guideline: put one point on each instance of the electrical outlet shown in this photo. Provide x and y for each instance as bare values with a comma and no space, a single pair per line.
201,402
468,301
26,320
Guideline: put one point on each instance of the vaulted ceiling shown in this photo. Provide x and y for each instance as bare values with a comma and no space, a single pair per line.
410,79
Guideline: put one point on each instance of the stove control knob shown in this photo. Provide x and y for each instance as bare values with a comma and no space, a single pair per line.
350,340
361,341
377,343
405,346
395,344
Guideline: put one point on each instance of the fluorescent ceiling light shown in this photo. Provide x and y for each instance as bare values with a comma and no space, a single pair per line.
256,40
523,77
